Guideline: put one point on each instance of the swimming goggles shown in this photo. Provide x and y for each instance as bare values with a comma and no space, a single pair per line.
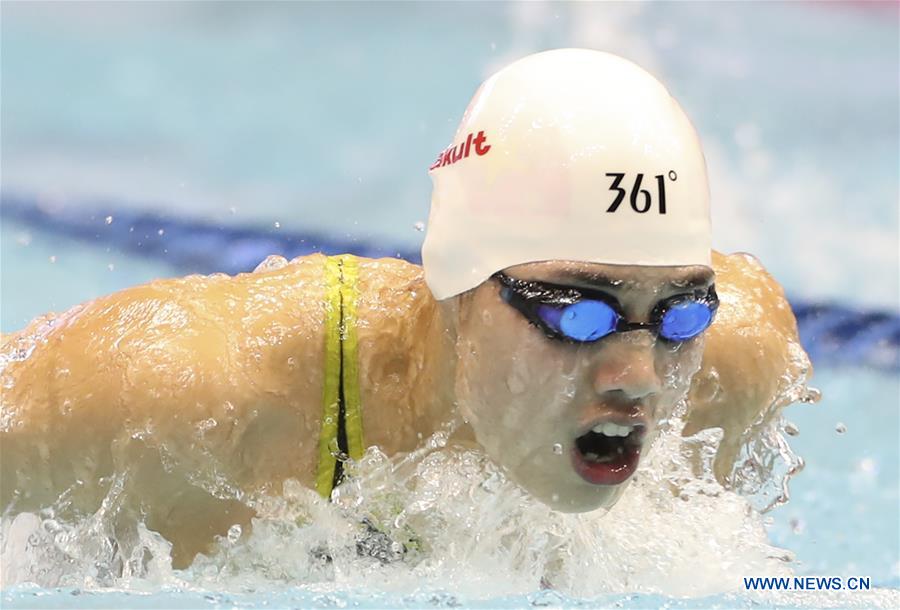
583,315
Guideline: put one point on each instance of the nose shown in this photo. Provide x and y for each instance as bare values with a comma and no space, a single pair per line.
627,365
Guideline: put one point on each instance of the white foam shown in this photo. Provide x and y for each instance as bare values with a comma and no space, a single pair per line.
465,526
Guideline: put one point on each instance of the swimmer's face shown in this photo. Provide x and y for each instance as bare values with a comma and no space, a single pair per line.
535,402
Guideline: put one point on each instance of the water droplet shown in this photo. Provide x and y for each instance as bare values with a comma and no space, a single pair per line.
791,429
493,483
206,424
233,210
812,395
161,231
111,267
797,525
273,261
437,440
109,220
557,448
234,533
419,226
840,428
277,225
53,259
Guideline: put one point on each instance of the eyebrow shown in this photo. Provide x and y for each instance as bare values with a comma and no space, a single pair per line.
600,280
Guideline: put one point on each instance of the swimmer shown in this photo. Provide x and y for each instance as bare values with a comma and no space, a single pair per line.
569,298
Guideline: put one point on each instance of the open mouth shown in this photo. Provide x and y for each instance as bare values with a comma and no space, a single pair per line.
608,453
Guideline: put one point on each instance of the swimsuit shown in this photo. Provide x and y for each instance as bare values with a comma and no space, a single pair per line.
341,416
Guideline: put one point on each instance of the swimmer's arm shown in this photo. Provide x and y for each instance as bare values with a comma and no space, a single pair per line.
751,360
222,372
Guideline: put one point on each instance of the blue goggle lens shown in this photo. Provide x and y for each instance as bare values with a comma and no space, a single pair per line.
585,320
590,320
685,320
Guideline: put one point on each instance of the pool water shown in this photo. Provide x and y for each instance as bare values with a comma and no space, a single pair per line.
313,118
649,550
321,119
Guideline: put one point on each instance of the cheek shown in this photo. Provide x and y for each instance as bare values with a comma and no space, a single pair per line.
512,382
676,366
678,363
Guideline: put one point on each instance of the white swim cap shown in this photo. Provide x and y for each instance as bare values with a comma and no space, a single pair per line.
570,154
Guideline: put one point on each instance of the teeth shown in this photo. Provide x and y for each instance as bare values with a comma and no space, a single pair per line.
593,457
611,429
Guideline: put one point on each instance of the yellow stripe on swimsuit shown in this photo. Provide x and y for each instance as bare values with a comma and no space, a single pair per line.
350,362
341,411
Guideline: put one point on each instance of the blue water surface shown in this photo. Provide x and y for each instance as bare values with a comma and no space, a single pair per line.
325,117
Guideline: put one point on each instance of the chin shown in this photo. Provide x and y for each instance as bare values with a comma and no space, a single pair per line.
580,498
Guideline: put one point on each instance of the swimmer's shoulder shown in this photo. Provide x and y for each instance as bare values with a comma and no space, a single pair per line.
753,347
394,307
374,278
196,321
755,298
752,356
392,282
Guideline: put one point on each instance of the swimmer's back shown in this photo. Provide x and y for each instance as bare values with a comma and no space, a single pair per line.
158,363
219,371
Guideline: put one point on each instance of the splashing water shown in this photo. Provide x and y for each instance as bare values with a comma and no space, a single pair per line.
766,463
446,517
443,515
